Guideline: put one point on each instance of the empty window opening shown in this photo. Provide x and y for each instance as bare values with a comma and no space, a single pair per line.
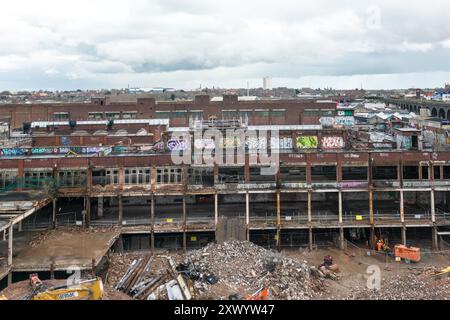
323,173
425,173
354,173
410,172
293,174
385,173
232,175
201,176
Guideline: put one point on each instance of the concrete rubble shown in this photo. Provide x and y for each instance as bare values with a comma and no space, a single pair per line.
246,265
415,285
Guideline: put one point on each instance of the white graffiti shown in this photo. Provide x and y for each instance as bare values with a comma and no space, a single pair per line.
332,142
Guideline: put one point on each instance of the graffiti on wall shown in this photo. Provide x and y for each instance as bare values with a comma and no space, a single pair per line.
281,143
43,150
332,142
11,152
327,121
253,143
345,121
208,144
231,142
307,142
404,142
176,145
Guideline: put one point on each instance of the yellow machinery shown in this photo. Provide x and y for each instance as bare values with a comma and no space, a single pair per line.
85,290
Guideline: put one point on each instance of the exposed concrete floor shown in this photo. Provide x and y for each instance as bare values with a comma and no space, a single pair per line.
63,248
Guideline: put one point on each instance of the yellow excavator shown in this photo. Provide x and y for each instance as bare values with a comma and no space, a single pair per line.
83,290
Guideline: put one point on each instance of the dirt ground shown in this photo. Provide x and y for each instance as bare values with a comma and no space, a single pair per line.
64,248
353,265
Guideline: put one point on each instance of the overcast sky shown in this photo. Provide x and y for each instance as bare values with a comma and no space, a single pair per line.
184,43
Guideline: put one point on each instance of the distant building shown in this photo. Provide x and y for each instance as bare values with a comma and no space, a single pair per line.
267,83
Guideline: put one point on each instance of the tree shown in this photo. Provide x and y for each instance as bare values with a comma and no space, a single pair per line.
172,97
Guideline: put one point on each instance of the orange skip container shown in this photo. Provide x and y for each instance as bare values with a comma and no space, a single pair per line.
412,254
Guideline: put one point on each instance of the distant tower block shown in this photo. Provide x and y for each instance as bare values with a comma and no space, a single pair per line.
267,83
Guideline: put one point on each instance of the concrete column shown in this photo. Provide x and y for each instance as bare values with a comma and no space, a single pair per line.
4,235
435,240
309,206
278,209
341,239
120,219
88,211
54,214
247,209
372,238
20,226
402,207
371,207
310,239
100,207
340,207
184,224
247,214
433,208
152,218
216,209
10,245
404,235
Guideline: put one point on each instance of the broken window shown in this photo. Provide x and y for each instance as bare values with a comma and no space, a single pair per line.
95,115
112,176
258,175
61,116
323,173
437,172
231,175
446,172
293,174
411,172
129,115
384,173
112,115
7,178
137,175
168,175
72,178
425,173
37,177
201,176
354,173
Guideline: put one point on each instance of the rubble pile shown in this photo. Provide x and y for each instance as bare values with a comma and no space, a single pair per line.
413,286
245,265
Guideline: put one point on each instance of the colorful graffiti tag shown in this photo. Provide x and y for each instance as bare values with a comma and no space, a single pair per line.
256,143
332,142
307,142
176,145
283,143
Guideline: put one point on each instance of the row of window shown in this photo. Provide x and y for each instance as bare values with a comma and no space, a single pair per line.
226,114
205,176
63,116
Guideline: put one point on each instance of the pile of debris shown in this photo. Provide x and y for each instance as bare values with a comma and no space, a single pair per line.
138,282
412,286
247,268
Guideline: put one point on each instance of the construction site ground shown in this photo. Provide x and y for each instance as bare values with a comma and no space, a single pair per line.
399,280
64,247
